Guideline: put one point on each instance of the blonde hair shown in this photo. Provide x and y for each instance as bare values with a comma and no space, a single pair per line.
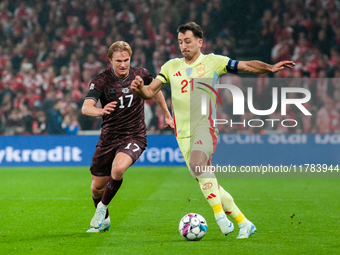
119,46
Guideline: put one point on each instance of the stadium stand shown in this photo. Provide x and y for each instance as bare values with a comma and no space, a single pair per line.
50,50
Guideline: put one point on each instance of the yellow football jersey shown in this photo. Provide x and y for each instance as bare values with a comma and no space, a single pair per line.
188,84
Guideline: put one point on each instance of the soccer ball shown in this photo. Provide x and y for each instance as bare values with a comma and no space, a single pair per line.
193,227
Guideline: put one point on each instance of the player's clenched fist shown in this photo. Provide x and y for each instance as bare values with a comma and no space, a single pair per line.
110,107
137,84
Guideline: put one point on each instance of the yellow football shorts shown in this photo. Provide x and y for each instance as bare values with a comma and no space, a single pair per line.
203,139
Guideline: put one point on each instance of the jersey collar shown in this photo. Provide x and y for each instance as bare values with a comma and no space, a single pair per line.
120,78
197,60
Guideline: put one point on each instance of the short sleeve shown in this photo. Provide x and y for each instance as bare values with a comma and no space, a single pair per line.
221,63
96,87
98,83
164,73
147,78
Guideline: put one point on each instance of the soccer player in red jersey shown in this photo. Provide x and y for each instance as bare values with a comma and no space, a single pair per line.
123,131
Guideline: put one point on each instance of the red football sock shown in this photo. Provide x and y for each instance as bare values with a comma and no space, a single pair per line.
111,189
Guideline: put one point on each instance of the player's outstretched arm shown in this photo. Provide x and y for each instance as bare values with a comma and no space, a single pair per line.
159,99
259,67
146,92
90,109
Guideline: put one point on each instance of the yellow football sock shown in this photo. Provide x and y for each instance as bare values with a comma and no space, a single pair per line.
230,208
209,187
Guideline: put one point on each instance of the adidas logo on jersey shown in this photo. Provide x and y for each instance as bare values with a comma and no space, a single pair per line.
178,74
212,195
199,142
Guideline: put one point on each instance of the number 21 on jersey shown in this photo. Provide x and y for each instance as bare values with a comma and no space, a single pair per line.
185,83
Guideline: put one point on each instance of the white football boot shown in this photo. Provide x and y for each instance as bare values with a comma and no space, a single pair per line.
226,225
99,216
246,230
104,227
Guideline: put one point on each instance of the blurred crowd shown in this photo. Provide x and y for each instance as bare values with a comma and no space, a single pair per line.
50,50
307,32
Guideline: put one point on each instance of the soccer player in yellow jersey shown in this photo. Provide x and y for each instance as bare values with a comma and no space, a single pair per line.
195,133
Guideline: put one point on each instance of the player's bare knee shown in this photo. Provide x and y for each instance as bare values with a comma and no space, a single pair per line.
118,172
197,166
97,190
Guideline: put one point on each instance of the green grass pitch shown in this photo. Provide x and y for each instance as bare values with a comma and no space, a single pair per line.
48,210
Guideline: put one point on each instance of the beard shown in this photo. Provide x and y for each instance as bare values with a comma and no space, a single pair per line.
187,56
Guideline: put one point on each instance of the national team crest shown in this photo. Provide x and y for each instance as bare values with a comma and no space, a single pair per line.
92,86
200,69
125,90
189,71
